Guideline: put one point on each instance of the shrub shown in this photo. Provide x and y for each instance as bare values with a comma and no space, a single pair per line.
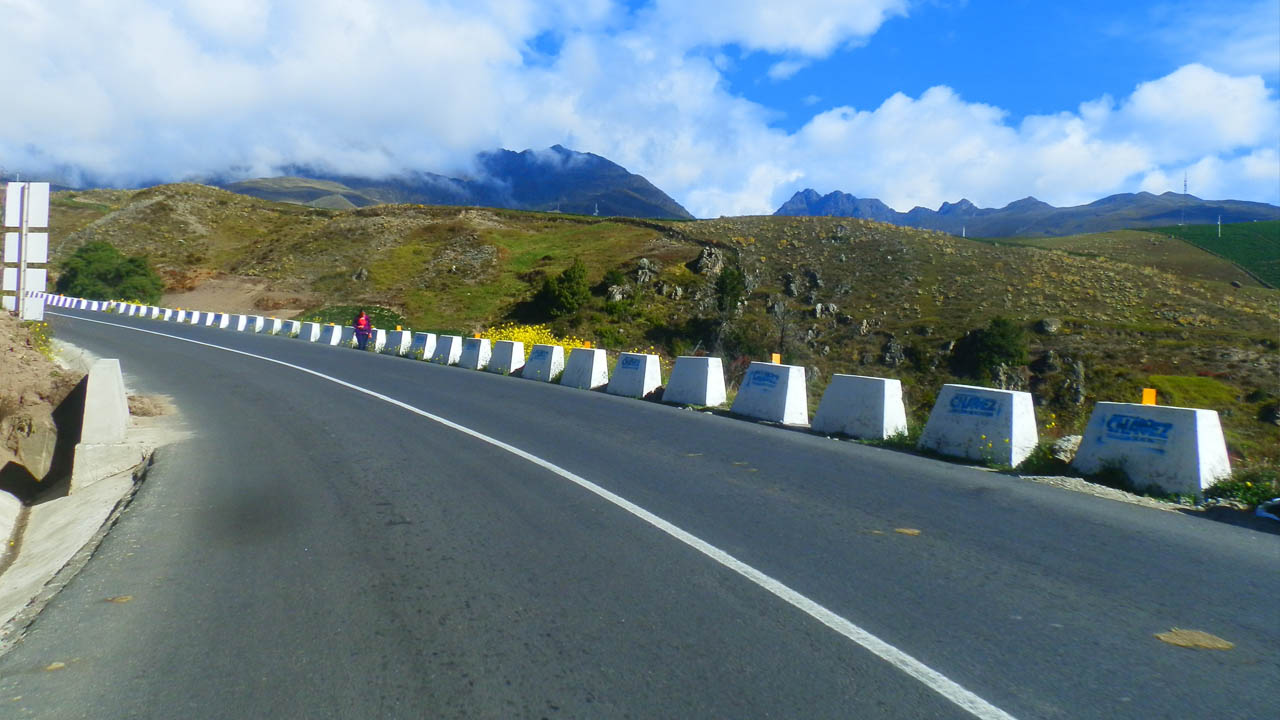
98,271
1249,485
565,293
731,287
981,351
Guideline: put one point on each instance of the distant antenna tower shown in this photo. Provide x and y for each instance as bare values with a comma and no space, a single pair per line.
597,211
1182,218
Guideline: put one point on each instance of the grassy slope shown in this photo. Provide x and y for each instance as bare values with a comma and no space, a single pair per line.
1133,305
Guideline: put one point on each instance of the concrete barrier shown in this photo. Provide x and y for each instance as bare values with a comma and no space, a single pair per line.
636,375
862,407
507,357
378,338
240,323
222,321
153,312
774,392
272,326
398,342
475,353
348,337
166,314
330,334
180,316
587,369
1179,450
309,332
448,350
290,328
696,381
255,323
423,346
106,414
545,363
980,423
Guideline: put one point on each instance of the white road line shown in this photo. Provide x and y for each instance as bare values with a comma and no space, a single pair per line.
931,678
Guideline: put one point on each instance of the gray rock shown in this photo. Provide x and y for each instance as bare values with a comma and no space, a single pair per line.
892,354
1048,326
35,438
646,271
1047,363
710,262
1064,448
616,293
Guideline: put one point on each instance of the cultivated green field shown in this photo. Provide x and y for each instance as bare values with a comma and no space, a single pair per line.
1253,246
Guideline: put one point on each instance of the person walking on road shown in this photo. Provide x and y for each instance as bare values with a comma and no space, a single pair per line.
364,328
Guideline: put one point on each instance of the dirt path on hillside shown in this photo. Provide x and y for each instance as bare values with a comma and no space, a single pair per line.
232,294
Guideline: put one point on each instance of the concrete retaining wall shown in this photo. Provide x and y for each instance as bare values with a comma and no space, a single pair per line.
545,363
475,353
862,407
1179,450
774,392
448,350
696,381
106,405
636,375
507,357
980,423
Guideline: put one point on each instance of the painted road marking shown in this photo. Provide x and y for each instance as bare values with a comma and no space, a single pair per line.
931,678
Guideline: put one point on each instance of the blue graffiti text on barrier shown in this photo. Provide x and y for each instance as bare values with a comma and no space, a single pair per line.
762,378
1134,429
539,354
962,404
629,362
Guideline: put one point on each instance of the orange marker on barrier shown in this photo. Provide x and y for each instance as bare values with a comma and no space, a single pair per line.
775,358
1148,396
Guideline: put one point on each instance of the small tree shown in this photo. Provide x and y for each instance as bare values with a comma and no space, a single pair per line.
980,352
565,293
98,271
731,287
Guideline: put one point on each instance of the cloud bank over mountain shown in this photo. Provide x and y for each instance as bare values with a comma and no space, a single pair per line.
158,90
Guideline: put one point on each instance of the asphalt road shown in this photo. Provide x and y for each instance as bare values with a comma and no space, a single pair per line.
313,551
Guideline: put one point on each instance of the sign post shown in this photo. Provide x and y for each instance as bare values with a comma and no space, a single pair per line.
26,206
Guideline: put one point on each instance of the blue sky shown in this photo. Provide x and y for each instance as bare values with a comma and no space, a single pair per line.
728,105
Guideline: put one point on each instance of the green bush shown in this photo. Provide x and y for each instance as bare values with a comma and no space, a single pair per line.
731,287
98,271
981,351
565,293
1249,485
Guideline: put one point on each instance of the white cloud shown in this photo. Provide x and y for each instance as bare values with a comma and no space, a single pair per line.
1240,37
784,69
382,86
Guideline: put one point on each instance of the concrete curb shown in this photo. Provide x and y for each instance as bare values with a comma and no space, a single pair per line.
50,542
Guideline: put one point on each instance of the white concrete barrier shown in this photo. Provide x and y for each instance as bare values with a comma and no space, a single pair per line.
255,323
398,342
1179,450
310,332
378,339
636,375
774,392
545,363
980,423
423,347
587,369
180,316
166,314
81,304
696,381
194,317
222,321
475,353
106,415
448,350
348,338
272,326
240,323
290,328
862,407
331,334
507,357
153,312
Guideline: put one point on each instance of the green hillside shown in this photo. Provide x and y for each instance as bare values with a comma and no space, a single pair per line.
1253,246
835,295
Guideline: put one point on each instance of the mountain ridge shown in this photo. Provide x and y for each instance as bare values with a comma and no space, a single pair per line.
1032,217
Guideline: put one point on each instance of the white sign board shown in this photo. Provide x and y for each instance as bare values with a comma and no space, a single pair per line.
37,197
